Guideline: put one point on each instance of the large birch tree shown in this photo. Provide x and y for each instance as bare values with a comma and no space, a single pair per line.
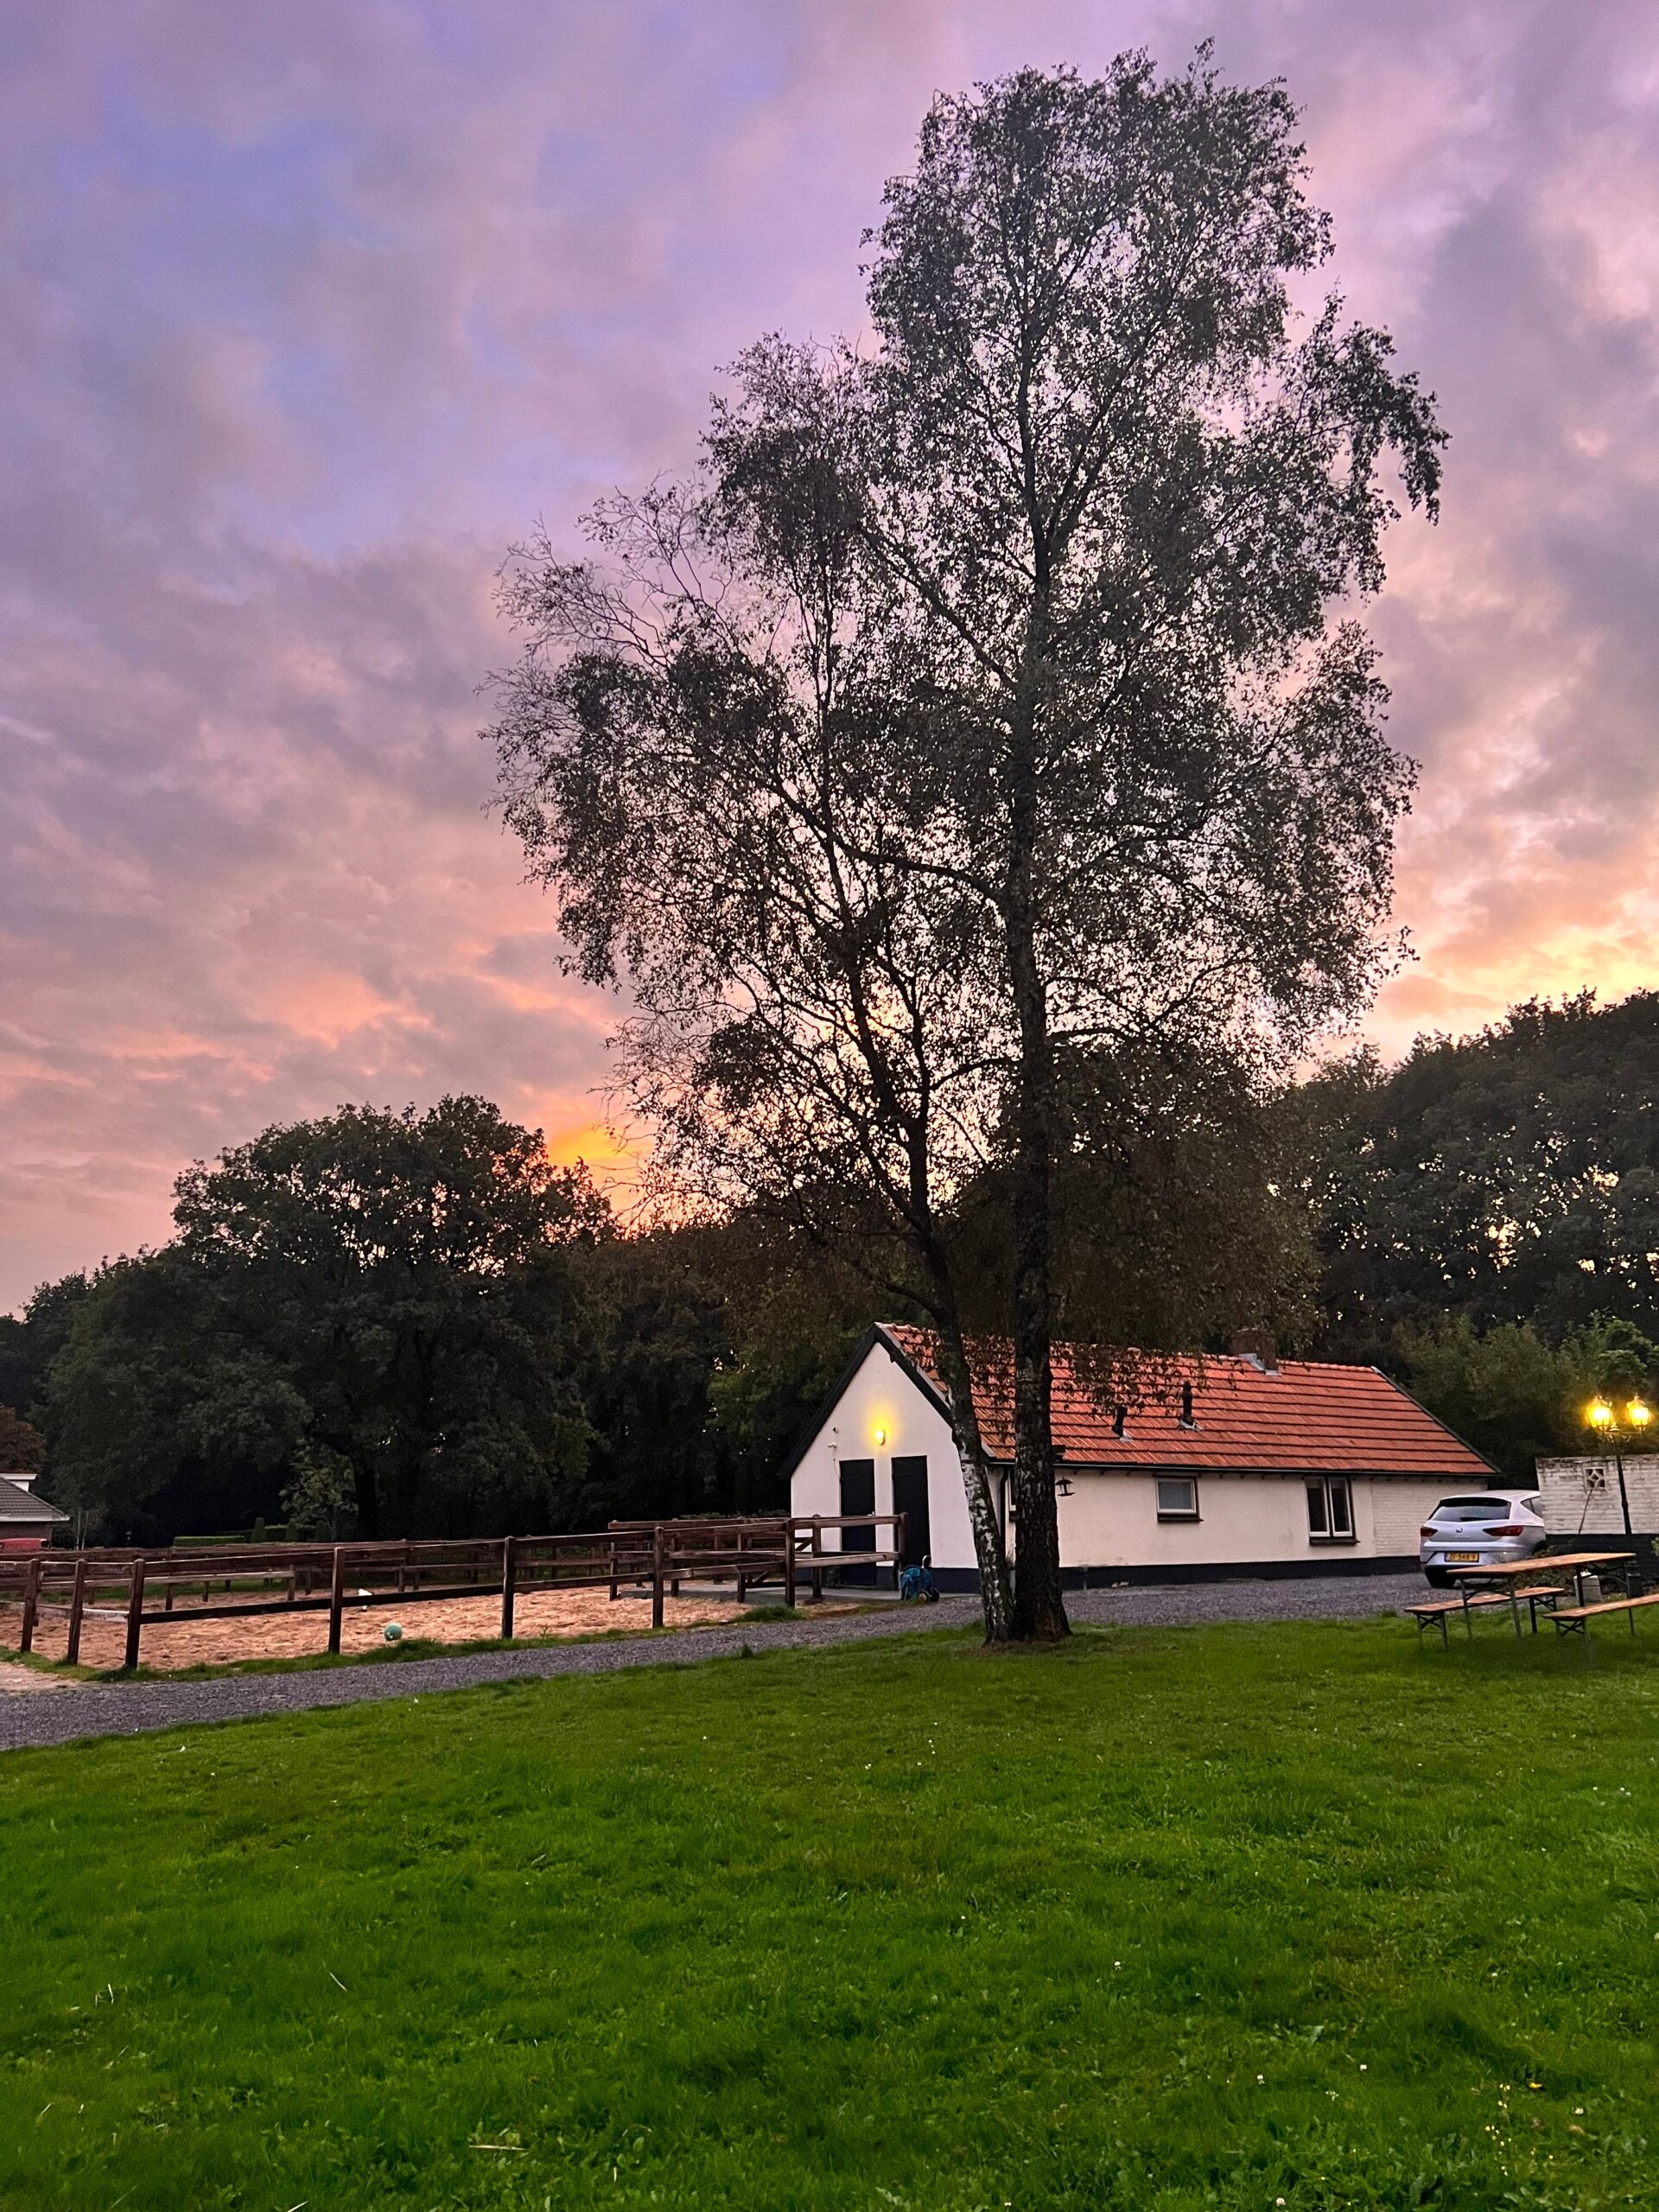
993,701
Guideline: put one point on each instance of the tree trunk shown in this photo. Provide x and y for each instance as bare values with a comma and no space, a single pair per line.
989,1550
1039,1604
368,1499
404,1487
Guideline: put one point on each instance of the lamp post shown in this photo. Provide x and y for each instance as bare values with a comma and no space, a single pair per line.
1604,1422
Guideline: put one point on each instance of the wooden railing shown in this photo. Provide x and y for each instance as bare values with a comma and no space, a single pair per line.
752,1551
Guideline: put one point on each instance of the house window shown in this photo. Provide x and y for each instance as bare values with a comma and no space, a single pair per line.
1330,1512
1178,1499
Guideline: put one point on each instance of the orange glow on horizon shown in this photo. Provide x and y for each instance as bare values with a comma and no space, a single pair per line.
607,1158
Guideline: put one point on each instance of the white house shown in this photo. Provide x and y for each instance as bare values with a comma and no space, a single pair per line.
26,1522
1181,1468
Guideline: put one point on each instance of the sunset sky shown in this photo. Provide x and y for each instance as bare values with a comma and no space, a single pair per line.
308,307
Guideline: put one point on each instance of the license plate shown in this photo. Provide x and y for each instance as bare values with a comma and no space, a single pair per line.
1463,1559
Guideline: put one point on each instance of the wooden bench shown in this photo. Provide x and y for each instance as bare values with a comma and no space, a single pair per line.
1436,1612
1572,1620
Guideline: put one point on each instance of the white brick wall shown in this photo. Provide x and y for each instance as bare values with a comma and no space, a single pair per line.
1582,1496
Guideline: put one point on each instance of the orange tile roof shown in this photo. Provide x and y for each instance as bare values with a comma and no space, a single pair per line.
1304,1417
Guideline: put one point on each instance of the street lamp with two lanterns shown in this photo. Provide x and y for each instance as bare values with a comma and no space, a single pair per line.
1602,1418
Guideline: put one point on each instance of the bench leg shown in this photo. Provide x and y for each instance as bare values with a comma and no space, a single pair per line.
1564,1628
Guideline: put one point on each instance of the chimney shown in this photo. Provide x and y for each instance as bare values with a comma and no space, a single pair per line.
1257,1346
24,1481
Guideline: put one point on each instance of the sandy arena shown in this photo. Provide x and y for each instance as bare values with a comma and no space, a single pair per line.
280,1634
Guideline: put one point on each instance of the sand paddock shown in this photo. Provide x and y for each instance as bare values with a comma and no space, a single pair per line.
282,1634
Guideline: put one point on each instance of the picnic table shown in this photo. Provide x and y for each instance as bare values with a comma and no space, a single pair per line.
1507,1579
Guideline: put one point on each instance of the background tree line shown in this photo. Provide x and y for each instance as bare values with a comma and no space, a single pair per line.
1486,1219
410,1323
391,1324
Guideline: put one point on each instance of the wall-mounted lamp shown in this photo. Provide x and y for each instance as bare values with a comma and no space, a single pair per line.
880,1436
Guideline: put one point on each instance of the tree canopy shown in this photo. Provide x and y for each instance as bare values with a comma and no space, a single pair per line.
22,1448
393,1293
1511,1177
1518,1397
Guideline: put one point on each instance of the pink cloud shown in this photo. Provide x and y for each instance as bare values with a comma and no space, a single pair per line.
305,313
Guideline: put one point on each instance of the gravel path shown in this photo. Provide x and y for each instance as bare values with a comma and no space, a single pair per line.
140,1708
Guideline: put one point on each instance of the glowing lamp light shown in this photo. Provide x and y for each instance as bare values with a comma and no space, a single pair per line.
1637,1414
1599,1413
880,1436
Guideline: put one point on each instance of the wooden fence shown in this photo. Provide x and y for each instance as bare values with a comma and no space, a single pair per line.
140,1587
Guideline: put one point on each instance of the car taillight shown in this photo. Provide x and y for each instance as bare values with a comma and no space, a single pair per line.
1430,1530
1509,1529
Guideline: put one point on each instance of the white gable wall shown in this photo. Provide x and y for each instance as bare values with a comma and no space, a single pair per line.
882,1396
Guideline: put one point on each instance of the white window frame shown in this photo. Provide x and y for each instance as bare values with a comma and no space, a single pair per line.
1327,1489
1189,1483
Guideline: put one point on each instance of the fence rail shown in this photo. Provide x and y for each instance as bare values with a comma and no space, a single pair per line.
140,1587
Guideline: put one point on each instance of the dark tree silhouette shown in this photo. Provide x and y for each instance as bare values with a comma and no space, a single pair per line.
391,1294
1508,1177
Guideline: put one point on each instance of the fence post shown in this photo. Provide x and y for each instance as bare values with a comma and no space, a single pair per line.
336,1599
32,1574
742,1585
817,1554
900,1529
658,1546
77,1607
134,1612
789,1565
509,1583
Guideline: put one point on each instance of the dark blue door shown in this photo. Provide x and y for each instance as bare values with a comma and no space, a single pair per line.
910,1498
858,1495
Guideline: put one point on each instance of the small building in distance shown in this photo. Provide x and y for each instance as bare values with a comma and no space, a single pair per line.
1228,1464
26,1522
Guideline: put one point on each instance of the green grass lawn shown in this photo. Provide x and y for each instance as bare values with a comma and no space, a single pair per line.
1201,1918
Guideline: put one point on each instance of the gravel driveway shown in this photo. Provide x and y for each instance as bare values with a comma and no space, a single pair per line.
139,1709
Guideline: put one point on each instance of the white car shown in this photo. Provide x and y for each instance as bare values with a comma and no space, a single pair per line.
1490,1528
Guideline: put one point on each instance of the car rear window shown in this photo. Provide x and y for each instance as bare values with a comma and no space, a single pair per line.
1471,1509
